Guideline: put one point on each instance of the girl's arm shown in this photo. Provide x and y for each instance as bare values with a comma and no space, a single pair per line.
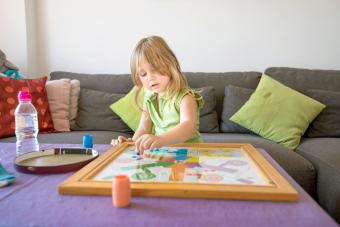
179,134
145,125
187,125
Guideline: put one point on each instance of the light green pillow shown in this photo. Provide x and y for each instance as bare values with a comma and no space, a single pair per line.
278,113
127,109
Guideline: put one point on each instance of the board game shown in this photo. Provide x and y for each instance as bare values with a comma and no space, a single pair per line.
236,171
187,165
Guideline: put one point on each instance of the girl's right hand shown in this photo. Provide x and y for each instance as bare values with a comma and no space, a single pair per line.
119,140
148,142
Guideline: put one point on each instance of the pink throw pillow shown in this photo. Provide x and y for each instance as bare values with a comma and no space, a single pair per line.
9,89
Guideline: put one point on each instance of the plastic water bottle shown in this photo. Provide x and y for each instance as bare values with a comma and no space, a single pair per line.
26,125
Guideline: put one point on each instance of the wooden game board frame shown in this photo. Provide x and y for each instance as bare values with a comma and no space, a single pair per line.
279,189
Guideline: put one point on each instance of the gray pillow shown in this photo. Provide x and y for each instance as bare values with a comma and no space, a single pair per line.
94,112
234,99
327,123
208,114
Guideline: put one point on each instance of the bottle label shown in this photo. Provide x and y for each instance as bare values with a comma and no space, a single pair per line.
24,121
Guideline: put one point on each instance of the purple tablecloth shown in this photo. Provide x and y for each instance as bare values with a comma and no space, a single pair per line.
33,200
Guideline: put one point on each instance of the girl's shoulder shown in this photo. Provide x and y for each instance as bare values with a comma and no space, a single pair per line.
192,92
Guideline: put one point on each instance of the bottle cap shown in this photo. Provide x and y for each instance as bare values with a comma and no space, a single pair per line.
24,96
87,141
121,191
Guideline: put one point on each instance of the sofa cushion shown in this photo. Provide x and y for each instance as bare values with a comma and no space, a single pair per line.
278,112
235,97
63,105
9,89
324,154
327,124
59,103
74,96
127,109
208,116
296,166
94,112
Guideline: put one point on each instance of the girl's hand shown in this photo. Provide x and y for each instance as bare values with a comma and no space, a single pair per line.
148,141
119,140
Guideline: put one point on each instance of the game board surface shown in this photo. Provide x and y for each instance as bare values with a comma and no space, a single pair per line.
185,165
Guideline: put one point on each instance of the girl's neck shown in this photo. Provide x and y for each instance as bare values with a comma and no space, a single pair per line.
160,94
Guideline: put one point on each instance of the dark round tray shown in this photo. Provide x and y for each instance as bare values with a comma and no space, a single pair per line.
55,160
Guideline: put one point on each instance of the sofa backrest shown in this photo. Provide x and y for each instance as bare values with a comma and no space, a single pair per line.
299,79
122,83
305,79
113,83
220,80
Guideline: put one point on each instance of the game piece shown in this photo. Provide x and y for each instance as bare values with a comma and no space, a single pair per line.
87,141
121,191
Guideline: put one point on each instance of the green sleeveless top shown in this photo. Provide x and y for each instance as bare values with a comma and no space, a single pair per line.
165,114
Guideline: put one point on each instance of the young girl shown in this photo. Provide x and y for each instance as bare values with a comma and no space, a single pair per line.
171,108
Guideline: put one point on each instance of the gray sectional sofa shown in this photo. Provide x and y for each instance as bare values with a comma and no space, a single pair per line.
315,164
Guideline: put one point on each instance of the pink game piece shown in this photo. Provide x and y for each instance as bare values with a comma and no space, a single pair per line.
121,191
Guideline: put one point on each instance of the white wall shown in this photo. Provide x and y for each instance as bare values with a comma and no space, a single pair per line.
207,35
13,32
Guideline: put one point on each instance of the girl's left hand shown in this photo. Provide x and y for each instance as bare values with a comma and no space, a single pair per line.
119,140
148,141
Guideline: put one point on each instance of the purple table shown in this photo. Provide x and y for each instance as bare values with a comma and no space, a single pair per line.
33,200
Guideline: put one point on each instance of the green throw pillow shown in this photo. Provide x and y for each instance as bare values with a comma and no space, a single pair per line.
278,113
127,109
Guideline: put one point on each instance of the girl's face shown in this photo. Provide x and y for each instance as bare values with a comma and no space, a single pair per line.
151,78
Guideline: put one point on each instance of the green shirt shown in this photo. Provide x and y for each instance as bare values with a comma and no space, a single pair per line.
165,114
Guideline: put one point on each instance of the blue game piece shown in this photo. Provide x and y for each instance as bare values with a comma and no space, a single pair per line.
87,141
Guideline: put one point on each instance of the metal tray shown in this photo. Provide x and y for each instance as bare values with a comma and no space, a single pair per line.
56,160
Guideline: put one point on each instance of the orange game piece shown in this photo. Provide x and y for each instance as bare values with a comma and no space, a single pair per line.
121,191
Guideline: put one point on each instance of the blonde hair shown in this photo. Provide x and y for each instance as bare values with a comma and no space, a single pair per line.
158,54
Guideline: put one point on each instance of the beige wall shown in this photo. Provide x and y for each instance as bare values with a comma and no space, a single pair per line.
207,35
